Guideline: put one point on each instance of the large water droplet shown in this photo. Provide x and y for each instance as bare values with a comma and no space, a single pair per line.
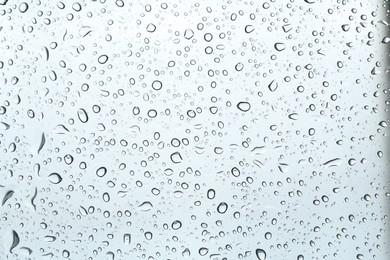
279,46
273,86
55,178
222,207
244,106
101,172
260,254
82,114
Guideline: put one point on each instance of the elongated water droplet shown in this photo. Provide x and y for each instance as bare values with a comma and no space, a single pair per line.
7,196
333,162
4,126
293,116
211,194
33,198
37,168
127,239
60,129
82,114
235,172
145,206
42,143
15,240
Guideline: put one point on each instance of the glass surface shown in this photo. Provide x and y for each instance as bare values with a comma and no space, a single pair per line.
194,129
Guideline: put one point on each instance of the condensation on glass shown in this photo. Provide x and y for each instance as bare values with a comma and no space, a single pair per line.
194,129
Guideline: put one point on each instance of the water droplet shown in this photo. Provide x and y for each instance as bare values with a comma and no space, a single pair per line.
145,206
279,46
156,85
249,28
15,241
176,225
65,253
386,40
260,254
345,27
352,161
211,194
42,143
151,27
106,197
82,114
293,116
55,178
7,196
273,86
101,172
23,7
235,172
103,59
203,251
332,163
222,208
176,157
4,126
244,106
188,34
239,66
127,239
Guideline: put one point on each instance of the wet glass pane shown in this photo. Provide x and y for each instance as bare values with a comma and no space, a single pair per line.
251,130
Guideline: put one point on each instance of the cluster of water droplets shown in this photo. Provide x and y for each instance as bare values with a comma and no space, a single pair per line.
194,129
